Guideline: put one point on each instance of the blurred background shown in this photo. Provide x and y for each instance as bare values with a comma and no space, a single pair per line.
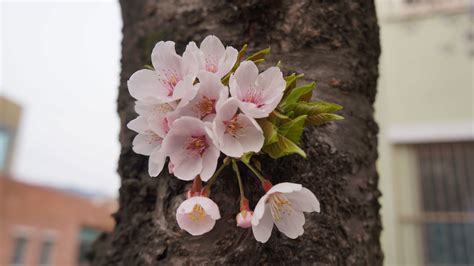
59,73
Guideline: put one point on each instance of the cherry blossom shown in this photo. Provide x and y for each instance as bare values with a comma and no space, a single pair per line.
283,205
197,215
172,78
148,142
258,94
236,133
191,149
210,93
212,56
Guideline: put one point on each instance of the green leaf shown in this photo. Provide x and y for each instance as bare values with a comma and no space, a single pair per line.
318,119
270,132
149,67
246,157
296,94
291,82
293,129
242,52
259,55
311,108
282,148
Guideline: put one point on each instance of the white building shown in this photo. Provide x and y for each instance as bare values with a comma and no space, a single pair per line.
425,112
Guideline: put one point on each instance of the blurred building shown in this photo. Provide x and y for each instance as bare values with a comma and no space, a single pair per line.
40,225
425,112
10,113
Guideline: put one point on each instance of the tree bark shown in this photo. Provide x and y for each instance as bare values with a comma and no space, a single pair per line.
336,44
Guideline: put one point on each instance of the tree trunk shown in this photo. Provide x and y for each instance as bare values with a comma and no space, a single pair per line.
336,44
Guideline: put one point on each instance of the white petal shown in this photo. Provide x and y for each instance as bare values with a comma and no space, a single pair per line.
272,82
209,162
227,62
184,89
173,144
263,230
139,125
145,144
195,228
252,138
156,162
253,111
164,56
210,85
144,84
212,46
186,167
159,124
245,75
227,110
187,126
210,207
285,187
193,58
304,200
291,225
260,209
230,146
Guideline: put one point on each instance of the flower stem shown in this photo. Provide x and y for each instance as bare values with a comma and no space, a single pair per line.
211,181
260,176
239,179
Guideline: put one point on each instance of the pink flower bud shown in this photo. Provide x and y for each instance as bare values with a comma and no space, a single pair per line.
170,167
244,219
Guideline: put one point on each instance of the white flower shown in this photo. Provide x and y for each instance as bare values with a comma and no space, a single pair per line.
244,219
148,142
172,78
236,133
212,56
191,149
258,95
210,93
283,205
197,215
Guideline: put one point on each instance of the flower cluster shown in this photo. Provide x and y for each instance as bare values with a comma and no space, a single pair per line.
211,100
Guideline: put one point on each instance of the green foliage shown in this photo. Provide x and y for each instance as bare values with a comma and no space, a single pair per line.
295,94
293,129
259,55
282,147
284,127
270,131
319,119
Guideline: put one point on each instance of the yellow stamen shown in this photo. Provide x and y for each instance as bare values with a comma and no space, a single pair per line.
198,214
279,206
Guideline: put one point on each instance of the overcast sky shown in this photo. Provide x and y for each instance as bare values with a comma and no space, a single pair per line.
60,62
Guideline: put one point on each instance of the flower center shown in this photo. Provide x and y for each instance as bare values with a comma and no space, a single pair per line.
205,106
253,95
197,145
153,138
211,64
279,206
162,108
169,78
233,127
198,214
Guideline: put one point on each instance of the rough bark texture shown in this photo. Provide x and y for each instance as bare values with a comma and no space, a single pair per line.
335,43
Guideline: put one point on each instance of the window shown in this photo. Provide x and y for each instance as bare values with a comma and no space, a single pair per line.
87,236
4,147
446,180
45,252
19,251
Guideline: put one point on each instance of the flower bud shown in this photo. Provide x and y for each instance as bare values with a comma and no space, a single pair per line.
244,219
